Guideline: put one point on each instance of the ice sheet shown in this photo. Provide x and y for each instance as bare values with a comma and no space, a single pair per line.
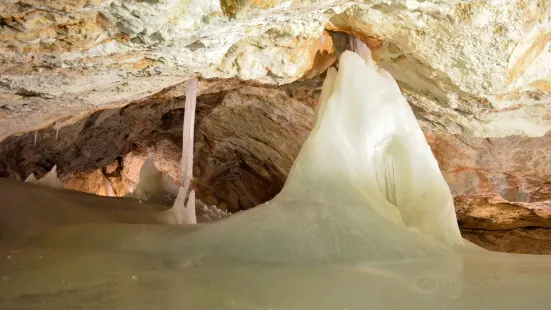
364,221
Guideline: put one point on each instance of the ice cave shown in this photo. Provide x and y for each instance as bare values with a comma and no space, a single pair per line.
275,155
365,219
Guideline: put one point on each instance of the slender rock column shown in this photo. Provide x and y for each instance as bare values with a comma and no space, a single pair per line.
188,132
187,150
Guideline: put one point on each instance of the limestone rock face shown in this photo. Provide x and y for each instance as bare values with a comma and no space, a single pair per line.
89,182
520,240
246,139
499,183
481,68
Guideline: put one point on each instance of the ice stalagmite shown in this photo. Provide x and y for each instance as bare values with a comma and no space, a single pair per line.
159,187
154,185
367,139
186,214
49,180
364,221
31,178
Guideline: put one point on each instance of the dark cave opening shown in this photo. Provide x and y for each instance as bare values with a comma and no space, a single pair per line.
246,139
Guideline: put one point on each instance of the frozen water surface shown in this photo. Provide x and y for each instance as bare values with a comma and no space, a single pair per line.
365,221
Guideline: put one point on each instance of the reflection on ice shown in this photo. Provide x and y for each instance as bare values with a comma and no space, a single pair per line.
365,221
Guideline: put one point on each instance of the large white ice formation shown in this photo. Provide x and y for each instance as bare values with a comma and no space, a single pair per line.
368,144
364,221
365,186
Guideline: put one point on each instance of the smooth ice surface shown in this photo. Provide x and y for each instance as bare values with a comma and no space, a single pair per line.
364,221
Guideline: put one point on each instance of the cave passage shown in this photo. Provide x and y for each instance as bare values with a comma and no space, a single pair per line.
364,220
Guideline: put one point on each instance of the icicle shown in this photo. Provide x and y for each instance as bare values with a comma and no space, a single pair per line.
187,154
188,130
57,126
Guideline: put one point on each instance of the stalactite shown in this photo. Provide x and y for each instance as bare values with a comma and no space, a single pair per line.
187,141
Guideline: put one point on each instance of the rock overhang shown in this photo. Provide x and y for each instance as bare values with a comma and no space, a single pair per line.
476,68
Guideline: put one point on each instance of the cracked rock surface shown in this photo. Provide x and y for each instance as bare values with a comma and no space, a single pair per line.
480,68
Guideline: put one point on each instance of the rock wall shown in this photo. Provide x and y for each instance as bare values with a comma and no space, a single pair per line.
480,68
